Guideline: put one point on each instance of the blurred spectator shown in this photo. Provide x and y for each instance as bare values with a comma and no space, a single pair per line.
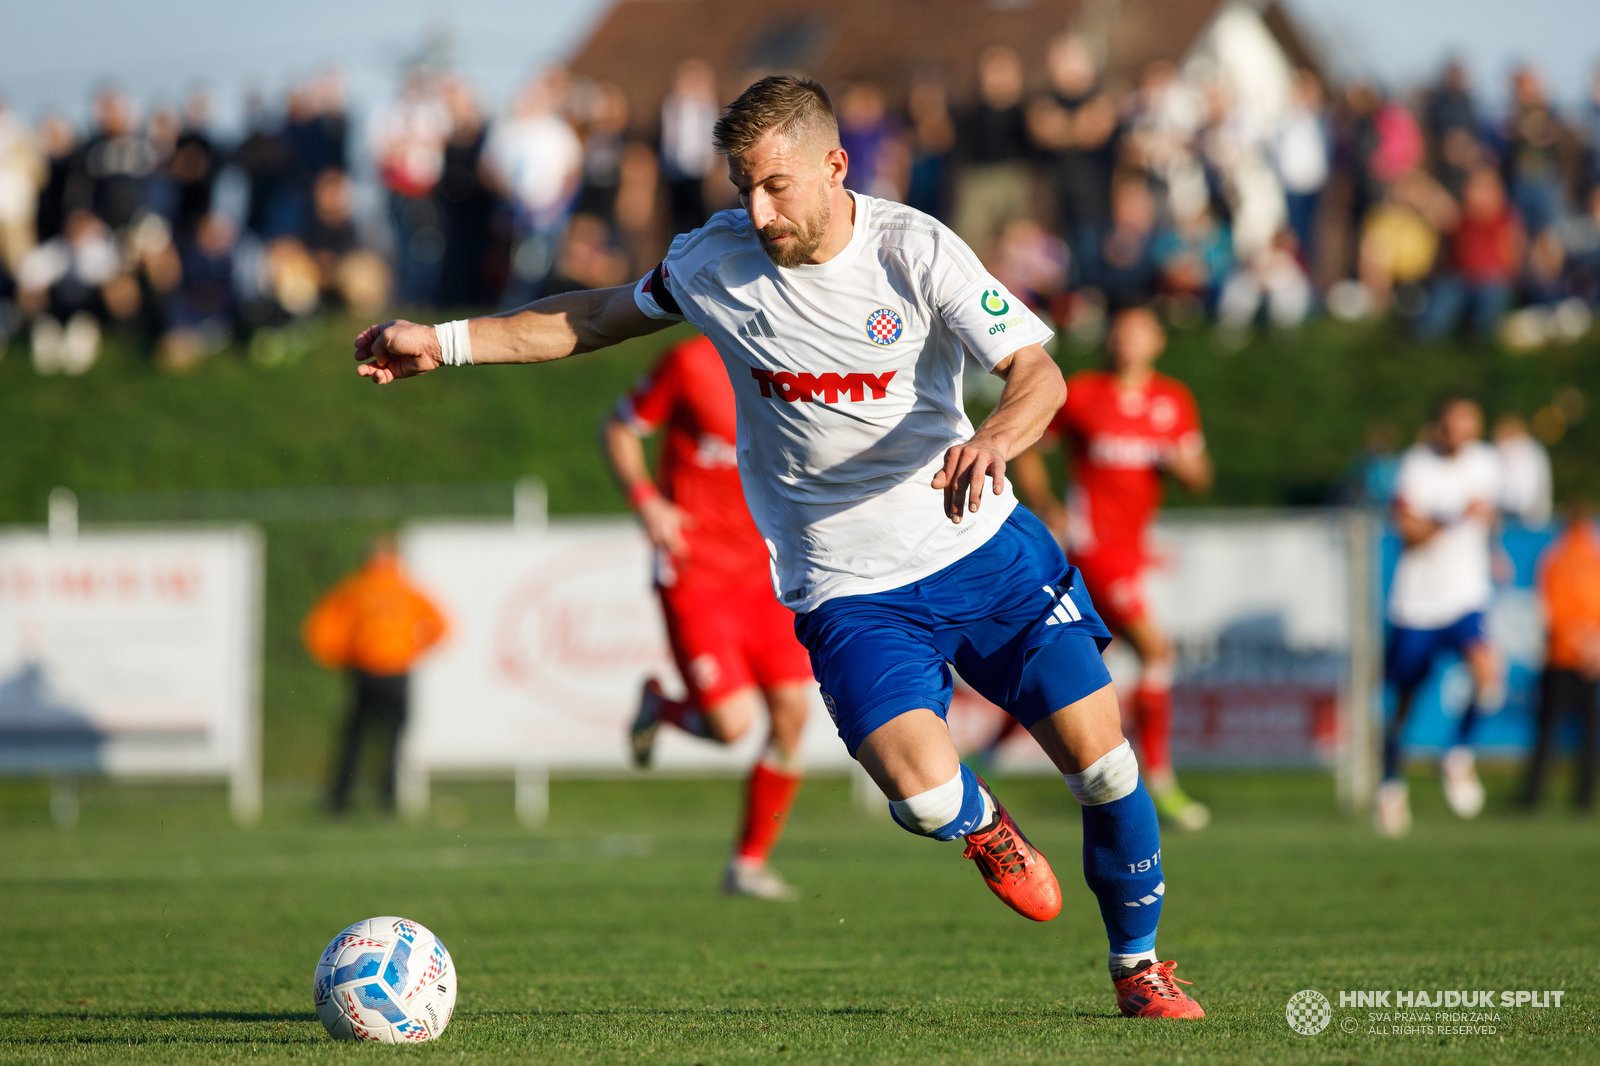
265,157
1372,478
1450,107
1196,257
1524,472
1569,585
604,139
117,160
932,136
375,624
67,284
1075,126
871,142
317,128
1580,241
22,174
466,205
348,275
1400,237
1128,264
408,141
194,165
1485,250
1272,281
1534,144
64,183
587,258
538,161
688,113
1591,134
994,186
1301,155
204,311
1031,262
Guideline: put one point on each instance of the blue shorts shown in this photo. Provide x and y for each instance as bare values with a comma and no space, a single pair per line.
1012,616
1410,653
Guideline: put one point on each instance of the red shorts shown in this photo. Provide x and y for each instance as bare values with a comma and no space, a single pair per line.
1115,582
726,640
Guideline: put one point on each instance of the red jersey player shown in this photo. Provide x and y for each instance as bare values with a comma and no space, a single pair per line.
729,634
1126,426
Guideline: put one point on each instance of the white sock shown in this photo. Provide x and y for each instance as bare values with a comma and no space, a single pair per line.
928,811
1129,962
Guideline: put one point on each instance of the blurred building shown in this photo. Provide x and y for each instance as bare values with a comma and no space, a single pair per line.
639,43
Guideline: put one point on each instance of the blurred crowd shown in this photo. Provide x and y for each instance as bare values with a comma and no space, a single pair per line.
1079,192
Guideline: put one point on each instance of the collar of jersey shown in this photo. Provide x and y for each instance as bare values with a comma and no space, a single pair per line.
846,256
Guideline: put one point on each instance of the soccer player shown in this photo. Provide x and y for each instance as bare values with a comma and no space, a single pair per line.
1126,426
728,633
1444,512
842,320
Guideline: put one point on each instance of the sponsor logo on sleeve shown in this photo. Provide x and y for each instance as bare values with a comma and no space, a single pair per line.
994,302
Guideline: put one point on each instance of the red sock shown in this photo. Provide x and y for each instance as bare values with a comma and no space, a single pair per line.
1152,716
768,797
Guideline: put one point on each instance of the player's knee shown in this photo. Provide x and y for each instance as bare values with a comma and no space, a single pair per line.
732,717
1109,778
945,812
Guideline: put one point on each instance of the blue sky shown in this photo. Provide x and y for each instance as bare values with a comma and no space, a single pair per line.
57,50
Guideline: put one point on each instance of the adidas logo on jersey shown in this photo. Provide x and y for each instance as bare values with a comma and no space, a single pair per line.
829,388
758,326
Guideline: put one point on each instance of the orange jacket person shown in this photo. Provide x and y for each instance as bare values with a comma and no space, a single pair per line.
1569,585
375,624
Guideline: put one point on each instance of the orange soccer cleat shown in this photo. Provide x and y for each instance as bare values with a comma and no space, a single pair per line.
1013,869
1154,993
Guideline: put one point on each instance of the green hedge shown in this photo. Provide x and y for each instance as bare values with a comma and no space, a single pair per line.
1285,416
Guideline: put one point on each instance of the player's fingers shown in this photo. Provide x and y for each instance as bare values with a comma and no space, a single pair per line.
956,492
980,473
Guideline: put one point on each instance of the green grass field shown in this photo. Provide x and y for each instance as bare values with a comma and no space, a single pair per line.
157,932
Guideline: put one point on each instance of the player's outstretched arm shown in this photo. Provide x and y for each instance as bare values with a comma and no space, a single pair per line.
553,328
1034,392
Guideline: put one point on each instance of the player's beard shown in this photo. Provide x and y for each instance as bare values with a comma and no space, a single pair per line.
808,236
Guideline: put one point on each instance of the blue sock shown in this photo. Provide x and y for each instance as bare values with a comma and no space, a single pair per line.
968,818
1469,721
1122,863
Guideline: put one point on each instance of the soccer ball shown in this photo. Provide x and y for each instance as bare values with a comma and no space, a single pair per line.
385,979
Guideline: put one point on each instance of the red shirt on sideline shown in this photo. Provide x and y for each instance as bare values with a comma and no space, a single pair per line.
688,392
1120,441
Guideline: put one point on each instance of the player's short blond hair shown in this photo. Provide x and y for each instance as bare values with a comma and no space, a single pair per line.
796,107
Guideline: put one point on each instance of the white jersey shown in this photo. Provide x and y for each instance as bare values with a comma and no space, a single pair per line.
848,381
1447,576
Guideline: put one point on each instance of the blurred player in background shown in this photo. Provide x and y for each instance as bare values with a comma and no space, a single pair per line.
729,634
375,624
1444,511
842,321
1126,426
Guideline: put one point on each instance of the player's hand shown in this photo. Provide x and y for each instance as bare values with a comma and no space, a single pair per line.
397,349
1481,511
664,525
966,467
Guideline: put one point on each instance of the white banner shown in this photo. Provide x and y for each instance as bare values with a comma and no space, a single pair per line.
552,634
132,653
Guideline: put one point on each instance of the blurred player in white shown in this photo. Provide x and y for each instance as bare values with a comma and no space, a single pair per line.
728,633
1444,511
842,321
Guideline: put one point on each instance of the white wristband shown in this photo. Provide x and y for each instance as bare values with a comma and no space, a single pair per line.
455,344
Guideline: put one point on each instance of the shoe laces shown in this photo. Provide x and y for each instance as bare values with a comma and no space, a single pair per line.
1159,979
1001,851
